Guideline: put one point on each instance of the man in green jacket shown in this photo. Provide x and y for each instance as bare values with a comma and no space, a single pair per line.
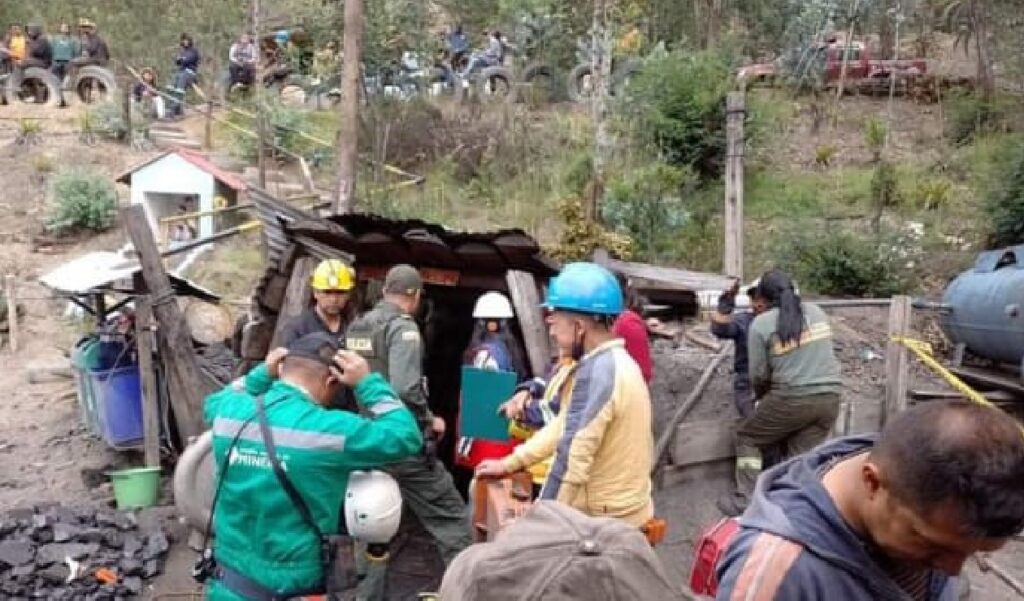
390,340
262,538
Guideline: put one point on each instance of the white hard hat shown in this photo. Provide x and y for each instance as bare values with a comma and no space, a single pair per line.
373,507
493,305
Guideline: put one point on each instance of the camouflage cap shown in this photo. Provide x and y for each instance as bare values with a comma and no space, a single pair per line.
403,279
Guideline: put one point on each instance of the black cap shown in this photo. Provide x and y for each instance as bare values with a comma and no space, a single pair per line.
319,346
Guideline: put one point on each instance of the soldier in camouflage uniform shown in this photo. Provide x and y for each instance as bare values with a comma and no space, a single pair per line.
390,340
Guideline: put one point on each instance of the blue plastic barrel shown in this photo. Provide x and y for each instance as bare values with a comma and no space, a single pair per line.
119,404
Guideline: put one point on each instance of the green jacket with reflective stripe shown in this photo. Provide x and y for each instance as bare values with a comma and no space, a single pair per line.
258,531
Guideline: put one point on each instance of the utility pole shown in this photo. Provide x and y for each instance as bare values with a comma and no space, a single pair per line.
261,159
735,114
348,143
601,71
897,15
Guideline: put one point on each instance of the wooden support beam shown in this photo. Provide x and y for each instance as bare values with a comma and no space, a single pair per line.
897,360
296,297
703,442
522,289
735,114
150,398
11,296
187,384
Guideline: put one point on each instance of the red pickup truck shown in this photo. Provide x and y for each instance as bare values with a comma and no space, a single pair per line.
860,67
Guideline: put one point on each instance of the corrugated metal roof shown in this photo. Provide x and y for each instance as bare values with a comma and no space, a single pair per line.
100,270
229,179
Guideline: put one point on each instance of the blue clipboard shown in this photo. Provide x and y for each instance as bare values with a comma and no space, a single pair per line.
483,391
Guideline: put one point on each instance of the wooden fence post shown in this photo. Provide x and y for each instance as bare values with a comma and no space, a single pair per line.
896,358
208,133
128,114
735,114
522,288
11,295
150,400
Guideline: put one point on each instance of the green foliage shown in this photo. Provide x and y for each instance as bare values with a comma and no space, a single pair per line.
106,119
578,173
1005,205
647,205
580,237
931,194
84,200
884,185
824,154
969,116
875,133
286,125
676,105
844,264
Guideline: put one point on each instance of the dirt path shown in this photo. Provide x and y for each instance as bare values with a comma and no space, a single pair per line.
41,437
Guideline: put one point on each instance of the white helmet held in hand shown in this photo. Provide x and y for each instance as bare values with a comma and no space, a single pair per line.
373,507
492,305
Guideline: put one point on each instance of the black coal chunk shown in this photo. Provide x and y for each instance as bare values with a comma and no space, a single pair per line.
17,553
156,545
90,535
56,552
151,569
55,575
113,539
131,567
132,545
133,585
64,532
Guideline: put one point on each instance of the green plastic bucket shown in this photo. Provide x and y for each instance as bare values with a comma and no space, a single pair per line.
137,487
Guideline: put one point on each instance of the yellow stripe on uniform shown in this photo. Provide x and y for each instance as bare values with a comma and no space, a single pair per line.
816,332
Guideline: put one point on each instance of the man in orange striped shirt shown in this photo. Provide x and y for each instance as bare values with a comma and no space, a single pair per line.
892,517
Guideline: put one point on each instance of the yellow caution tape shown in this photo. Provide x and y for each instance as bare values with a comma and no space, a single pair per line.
923,350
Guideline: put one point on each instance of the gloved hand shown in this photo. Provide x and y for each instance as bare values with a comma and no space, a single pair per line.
727,300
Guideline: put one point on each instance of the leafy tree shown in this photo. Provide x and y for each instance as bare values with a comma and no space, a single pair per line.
647,204
1005,204
676,105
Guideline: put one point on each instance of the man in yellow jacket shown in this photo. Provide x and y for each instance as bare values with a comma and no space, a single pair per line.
602,441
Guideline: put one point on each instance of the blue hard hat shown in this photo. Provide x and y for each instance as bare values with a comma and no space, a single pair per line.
585,288
282,35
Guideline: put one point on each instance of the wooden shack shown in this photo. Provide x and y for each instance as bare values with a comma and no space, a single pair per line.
456,267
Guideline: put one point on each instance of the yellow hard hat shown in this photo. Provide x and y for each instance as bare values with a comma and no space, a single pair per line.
333,274
84,22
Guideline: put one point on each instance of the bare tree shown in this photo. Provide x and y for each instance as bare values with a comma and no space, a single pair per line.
348,147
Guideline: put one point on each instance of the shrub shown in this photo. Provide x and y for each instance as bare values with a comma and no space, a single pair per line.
845,264
580,237
647,205
875,133
286,126
85,200
968,116
932,194
1005,203
106,119
824,154
676,105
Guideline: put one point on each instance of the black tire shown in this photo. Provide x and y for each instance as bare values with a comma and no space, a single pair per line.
44,87
543,80
579,85
495,83
94,83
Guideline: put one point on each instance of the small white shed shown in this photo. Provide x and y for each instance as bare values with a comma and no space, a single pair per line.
181,181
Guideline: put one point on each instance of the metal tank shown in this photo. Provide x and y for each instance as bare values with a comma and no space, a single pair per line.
987,305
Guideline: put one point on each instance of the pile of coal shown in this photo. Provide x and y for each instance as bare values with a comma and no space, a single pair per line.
76,553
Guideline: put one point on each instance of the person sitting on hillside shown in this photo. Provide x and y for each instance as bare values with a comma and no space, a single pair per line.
65,48
187,63
242,59
14,46
145,93
492,56
890,516
37,49
93,47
